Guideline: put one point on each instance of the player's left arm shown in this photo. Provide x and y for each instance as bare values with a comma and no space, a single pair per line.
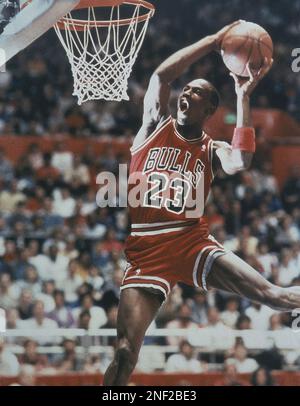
238,156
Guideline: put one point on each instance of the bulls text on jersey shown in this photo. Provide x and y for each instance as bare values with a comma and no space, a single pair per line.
168,158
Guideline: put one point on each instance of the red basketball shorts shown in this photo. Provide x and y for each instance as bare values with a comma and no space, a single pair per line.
163,254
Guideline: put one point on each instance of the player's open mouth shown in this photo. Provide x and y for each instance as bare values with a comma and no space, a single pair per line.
184,104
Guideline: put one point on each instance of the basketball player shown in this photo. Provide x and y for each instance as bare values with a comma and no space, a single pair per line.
165,246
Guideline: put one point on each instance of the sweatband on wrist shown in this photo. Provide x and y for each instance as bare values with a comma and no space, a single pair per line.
244,139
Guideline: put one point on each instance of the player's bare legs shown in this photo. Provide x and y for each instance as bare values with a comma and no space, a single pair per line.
137,309
232,274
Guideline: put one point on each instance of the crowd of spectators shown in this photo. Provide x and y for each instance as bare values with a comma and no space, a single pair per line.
36,91
61,256
62,260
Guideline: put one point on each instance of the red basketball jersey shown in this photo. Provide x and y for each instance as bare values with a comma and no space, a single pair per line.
169,240
176,174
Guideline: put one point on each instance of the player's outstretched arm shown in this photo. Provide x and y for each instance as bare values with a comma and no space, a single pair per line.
156,101
174,66
238,156
157,96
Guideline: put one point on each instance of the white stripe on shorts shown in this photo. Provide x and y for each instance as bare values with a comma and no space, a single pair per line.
195,270
214,254
154,278
163,231
145,285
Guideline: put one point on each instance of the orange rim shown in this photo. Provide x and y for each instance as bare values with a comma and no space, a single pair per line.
98,3
88,3
79,25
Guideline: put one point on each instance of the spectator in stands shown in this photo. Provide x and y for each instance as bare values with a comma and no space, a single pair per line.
76,121
69,361
39,261
39,321
97,314
95,278
287,270
10,254
62,159
230,377
12,322
31,281
259,316
50,220
214,319
20,214
111,243
89,204
199,307
25,175
185,361
10,197
264,179
61,314
4,229
9,292
21,264
35,156
85,289
243,363
220,334
48,176
276,322
70,251
57,265
78,176
231,314
288,232
262,377
25,304
182,320
32,357
248,243
46,295
63,205
109,160
12,318
243,323
268,260
6,168
9,365
84,320
94,228
101,257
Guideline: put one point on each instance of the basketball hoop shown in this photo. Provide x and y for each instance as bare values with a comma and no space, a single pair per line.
102,39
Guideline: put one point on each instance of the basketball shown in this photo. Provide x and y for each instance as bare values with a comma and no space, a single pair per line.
246,43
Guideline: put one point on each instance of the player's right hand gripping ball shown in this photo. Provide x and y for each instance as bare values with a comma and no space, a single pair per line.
246,43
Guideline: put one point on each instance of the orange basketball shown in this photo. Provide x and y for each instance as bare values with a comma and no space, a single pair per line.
246,43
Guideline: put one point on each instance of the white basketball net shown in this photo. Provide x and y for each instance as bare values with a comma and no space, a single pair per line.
102,58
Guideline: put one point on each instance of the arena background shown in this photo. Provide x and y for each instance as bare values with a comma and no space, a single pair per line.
61,257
